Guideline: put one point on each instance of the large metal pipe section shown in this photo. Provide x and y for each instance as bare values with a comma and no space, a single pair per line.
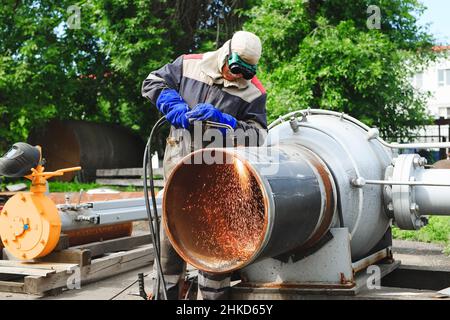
92,214
317,170
433,200
349,150
225,215
290,195
90,145
317,156
102,220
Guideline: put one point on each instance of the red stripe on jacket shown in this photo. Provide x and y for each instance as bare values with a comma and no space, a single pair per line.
193,56
258,84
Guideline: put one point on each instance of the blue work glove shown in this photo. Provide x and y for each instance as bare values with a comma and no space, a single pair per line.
172,105
206,111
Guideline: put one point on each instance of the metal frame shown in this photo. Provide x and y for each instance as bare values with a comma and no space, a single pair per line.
328,269
104,212
373,133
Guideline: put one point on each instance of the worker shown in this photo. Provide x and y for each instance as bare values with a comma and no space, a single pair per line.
219,86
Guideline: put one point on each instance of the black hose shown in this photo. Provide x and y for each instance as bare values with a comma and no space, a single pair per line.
153,217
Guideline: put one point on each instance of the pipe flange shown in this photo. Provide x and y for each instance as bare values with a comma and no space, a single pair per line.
404,208
387,192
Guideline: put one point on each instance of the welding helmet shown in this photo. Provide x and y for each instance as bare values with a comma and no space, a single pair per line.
19,160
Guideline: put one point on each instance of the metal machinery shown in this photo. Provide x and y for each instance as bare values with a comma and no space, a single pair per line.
306,211
31,223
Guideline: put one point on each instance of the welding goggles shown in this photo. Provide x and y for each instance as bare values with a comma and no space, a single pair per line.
239,66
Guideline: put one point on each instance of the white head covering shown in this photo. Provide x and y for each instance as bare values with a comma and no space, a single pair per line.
247,45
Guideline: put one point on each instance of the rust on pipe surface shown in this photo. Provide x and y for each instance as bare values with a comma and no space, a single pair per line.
100,233
370,260
220,223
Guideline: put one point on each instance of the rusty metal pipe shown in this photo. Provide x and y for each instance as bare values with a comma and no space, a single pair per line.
226,208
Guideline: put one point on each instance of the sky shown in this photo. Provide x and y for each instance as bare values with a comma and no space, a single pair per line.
438,14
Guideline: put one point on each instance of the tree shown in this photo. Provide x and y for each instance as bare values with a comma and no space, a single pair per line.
317,54
321,54
48,69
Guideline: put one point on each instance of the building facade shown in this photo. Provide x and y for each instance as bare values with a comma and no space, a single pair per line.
436,79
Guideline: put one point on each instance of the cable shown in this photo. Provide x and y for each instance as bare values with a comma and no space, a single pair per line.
116,295
153,219
127,287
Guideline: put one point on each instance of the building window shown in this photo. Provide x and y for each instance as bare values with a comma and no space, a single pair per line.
444,112
443,77
419,80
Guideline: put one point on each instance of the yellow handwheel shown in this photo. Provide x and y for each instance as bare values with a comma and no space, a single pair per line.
30,225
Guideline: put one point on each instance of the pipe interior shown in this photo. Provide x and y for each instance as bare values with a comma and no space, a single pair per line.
215,214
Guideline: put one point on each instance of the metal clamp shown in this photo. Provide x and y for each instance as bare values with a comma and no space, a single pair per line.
91,219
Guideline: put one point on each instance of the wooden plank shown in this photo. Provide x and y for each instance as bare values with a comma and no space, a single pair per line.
126,172
26,271
128,182
42,277
14,287
77,256
99,269
7,194
120,262
114,245
39,285
38,265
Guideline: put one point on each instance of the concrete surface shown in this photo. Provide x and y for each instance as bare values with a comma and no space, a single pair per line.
101,290
410,253
421,254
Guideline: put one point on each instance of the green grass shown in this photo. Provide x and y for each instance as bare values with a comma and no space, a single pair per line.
437,231
58,186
